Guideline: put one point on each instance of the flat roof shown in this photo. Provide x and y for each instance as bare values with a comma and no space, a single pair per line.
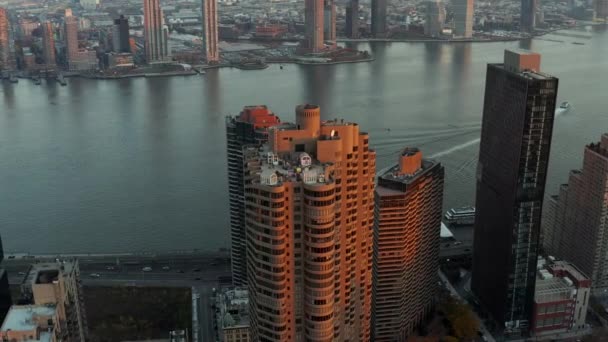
21,317
47,272
445,231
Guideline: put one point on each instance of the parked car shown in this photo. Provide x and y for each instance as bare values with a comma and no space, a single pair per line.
147,269
95,275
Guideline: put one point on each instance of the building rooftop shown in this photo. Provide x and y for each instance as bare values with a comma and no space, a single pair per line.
392,182
48,272
26,318
234,308
293,167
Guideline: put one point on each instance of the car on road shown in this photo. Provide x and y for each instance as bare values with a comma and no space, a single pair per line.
95,275
180,271
196,270
21,273
147,269
110,268
197,278
166,268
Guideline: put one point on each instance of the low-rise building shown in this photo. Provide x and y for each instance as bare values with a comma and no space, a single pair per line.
233,316
58,284
120,60
561,298
31,323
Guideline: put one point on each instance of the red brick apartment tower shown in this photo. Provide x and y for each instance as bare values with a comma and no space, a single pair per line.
309,219
409,201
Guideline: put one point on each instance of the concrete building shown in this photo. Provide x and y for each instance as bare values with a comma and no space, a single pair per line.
31,323
71,38
314,21
463,17
58,284
600,9
517,127
309,217
378,18
250,127
407,228
329,23
560,299
575,225
155,33
527,19
48,43
120,35
234,315
210,31
120,60
6,57
435,18
352,19
89,5
26,26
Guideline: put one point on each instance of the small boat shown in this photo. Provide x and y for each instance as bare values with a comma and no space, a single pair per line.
61,80
13,79
36,80
565,105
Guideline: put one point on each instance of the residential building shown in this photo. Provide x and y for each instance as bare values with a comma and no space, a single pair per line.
314,23
378,18
31,323
600,9
48,43
527,19
210,31
329,23
71,38
120,60
309,218
407,228
561,299
89,5
120,35
26,26
435,18
155,33
58,284
517,127
233,315
575,225
463,17
6,57
352,19
250,127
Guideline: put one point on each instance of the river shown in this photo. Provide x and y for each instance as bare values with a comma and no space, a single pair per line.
139,164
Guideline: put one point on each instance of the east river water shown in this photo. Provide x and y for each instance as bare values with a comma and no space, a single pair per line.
139,164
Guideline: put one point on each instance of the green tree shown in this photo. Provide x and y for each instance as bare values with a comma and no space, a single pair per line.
449,339
463,322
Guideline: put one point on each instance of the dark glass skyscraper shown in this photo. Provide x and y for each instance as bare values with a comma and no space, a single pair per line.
5,293
120,35
517,127
250,127
352,19
378,18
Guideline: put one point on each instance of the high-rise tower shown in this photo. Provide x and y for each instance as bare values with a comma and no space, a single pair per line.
352,19
329,25
6,58
406,245
435,18
600,9
120,35
48,43
210,32
314,21
379,18
575,224
527,22
250,127
5,292
463,18
155,33
71,38
517,126
309,217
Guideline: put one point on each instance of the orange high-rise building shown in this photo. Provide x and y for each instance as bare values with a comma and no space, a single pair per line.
409,201
309,209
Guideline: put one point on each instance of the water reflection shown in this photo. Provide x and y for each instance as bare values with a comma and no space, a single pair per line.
213,93
9,94
318,85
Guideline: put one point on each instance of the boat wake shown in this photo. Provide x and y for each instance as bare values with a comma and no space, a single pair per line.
455,148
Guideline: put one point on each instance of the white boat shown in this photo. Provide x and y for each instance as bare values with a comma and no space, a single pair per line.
565,105
460,216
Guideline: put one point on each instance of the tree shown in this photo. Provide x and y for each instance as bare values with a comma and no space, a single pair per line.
449,339
463,323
